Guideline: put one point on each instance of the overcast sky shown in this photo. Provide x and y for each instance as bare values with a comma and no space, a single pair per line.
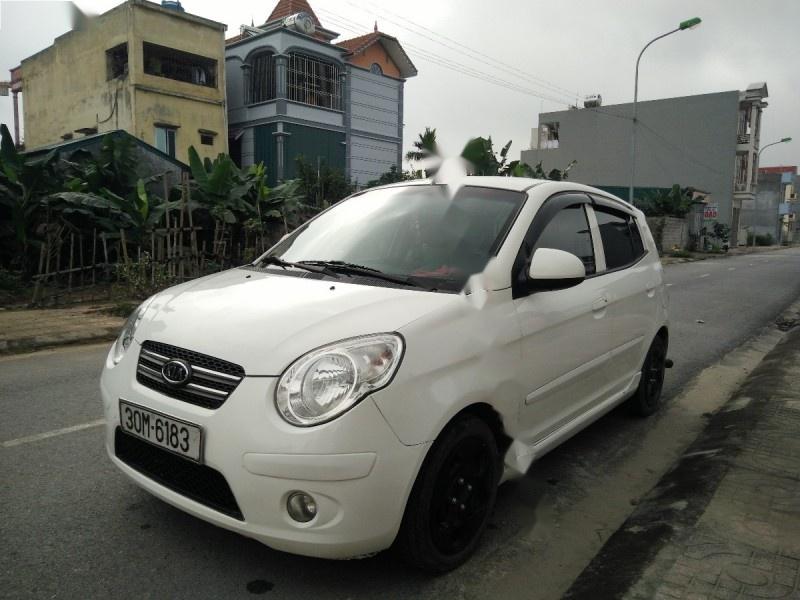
555,50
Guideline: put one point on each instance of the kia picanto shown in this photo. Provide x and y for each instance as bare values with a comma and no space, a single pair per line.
372,379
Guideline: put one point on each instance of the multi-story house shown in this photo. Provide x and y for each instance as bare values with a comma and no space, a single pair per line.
293,91
151,70
708,142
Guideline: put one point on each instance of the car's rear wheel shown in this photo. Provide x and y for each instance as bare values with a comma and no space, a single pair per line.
452,498
647,398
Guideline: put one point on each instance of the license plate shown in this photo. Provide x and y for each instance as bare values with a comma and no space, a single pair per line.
161,430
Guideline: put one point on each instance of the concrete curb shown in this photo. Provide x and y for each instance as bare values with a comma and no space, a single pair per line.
31,344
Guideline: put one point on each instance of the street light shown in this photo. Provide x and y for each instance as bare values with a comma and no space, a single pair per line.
687,24
780,141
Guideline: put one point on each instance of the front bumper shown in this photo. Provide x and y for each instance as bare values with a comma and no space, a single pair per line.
355,467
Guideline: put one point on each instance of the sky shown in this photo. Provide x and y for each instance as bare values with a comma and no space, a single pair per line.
489,68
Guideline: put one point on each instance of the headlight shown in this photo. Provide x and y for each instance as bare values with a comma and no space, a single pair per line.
126,335
328,381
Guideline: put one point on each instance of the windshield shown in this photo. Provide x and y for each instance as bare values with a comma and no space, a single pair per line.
419,232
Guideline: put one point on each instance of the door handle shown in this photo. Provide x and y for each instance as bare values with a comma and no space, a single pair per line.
599,304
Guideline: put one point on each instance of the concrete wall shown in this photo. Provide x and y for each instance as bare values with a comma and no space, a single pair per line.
188,106
669,232
690,141
66,88
763,216
66,85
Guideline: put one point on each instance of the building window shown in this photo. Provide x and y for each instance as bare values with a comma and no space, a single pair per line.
262,79
165,139
742,168
314,81
117,61
181,66
548,135
375,69
207,139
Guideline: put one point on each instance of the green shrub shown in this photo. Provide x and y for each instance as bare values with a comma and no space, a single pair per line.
680,254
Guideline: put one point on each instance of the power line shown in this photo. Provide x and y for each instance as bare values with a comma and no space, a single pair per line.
480,56
427,55
558,98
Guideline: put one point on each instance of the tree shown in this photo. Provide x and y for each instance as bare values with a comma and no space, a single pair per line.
221,188
480,153
24,186
425,146
323,185
674,202
393,175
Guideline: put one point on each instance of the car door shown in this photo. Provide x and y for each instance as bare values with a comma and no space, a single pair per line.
564,333
630,284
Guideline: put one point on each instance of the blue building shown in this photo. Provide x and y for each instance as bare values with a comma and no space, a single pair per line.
292,91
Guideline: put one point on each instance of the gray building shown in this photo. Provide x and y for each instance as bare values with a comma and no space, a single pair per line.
775,210
292,92
708,142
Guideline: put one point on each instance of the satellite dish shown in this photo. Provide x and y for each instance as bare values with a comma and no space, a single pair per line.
301,22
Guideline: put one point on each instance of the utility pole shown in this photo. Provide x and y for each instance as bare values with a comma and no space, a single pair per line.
688,24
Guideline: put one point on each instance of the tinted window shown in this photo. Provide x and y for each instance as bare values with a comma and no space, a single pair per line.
569,231
421,231
622,241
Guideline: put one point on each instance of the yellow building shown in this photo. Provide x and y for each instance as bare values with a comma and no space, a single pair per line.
152,70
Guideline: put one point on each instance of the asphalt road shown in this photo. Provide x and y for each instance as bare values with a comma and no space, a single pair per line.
71,526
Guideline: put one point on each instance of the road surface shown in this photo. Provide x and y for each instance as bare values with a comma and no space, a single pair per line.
73,527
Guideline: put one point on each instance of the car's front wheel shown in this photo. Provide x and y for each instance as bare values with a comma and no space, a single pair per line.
452,498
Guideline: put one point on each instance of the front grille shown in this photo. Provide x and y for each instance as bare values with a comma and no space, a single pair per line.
198,482
212,381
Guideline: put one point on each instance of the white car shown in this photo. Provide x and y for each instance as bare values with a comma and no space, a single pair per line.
374,376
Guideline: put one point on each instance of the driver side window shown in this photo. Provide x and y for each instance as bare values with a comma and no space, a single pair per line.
569,231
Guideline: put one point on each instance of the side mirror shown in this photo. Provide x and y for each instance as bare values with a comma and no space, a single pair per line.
553,269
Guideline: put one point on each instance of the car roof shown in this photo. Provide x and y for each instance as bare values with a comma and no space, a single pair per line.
517,184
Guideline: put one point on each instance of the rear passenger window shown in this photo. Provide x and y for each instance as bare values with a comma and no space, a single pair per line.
622,242
569,231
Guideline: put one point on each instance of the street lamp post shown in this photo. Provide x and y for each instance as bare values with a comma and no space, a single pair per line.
780,141
688,24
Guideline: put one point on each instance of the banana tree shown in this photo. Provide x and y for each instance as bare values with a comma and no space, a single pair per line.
479,152
24,185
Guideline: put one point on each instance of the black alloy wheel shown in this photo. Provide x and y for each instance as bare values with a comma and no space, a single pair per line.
452,498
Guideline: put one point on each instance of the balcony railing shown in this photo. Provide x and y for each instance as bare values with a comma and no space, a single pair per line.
743,138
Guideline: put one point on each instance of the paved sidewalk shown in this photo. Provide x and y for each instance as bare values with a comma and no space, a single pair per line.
666,259
724,523
28,330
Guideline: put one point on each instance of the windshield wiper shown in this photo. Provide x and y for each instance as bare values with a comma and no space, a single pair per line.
353,269
279,262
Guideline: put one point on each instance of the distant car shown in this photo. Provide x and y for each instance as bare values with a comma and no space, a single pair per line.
374,376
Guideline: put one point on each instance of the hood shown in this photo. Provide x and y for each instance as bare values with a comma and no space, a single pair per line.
264,321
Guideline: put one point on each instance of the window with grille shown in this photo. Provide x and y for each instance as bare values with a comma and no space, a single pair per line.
314,81
262,78
182,66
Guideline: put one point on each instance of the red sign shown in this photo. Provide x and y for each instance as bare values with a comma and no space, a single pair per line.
710,212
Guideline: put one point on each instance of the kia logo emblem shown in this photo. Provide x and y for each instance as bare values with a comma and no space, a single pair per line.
176,372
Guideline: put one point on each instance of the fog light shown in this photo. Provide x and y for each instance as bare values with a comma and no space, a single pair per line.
301,507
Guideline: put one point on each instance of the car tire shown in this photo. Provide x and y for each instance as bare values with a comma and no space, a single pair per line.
452,498
647,398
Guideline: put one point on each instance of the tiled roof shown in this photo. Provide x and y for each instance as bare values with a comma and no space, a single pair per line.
235,38
361,42
391,44
286,8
